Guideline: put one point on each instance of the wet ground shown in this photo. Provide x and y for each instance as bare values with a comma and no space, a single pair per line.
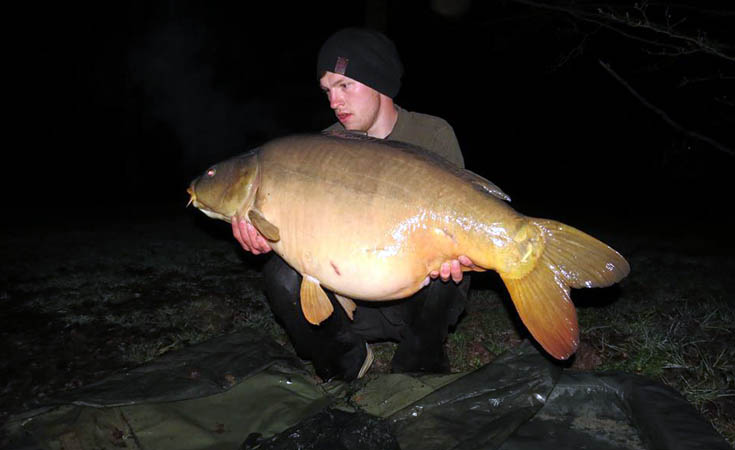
87,297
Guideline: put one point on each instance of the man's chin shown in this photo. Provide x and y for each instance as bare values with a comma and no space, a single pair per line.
352,127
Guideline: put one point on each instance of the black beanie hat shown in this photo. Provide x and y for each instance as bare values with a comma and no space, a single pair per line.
364,55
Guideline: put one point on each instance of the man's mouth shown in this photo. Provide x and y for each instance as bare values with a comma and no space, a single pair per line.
343,116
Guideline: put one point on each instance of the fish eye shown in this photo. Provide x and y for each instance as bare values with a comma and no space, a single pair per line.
211,172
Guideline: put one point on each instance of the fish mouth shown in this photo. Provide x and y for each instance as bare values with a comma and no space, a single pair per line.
192,196
203,207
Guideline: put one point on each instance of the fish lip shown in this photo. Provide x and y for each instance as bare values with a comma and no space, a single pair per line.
203,207
192,196
193,200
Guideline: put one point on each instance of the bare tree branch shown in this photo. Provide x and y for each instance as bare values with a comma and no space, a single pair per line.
665,116
683,43
686,81
578,50
662,36
581,15
695,43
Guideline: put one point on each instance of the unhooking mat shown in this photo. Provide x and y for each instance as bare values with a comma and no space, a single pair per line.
244,391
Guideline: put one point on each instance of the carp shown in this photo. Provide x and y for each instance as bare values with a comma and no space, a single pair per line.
369,219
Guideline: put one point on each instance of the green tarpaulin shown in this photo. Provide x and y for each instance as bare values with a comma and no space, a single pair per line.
244,391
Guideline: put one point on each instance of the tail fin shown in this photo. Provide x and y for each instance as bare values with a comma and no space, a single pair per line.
570,258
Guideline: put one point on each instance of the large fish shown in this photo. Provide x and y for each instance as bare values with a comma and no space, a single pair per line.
369,219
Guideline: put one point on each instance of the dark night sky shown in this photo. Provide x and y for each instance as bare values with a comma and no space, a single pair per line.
122,105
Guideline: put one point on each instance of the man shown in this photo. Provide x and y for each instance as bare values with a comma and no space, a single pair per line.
360,71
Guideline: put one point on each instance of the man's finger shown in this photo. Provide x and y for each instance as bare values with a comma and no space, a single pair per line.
456,270
235,229
263,245
237,232
445,271
426,281
465,261
252,238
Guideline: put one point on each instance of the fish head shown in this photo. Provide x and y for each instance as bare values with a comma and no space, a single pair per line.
228,188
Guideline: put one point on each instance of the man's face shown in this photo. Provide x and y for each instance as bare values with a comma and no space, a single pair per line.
355,104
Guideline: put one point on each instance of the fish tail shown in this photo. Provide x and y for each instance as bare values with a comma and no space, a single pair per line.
569,258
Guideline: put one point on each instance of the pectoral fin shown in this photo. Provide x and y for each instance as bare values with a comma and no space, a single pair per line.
265,228
314,301
348,305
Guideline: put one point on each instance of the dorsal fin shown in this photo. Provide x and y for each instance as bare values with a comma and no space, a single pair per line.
483,184
349,134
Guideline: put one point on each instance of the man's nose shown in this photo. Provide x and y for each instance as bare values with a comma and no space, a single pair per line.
335,100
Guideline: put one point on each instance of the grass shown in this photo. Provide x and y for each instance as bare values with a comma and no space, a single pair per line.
659,323
684,344
79,304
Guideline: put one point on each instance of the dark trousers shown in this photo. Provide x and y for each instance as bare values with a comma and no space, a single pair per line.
336,347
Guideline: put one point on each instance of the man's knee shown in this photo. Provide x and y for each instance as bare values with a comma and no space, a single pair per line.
282,282
442,303
435,310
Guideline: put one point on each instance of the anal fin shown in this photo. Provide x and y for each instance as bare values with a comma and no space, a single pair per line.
347,304
314,301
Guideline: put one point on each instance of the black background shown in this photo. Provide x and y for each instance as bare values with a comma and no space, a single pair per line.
117,106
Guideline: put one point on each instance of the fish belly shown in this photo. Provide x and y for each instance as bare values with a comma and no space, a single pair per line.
360,255
371,224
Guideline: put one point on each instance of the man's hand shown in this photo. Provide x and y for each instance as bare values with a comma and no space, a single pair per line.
451,269
252,241
246,234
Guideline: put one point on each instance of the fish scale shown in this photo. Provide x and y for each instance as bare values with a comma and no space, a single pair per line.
369,219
